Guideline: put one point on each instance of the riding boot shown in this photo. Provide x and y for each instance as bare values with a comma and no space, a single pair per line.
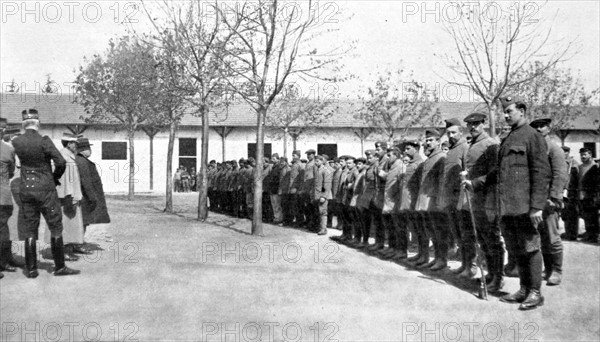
31,258
58,254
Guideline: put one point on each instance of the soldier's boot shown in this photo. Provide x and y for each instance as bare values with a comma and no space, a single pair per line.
323,226
420,250
423,251
547,257
4,255
556,277
30,258
491,269
8,257
511,269
69,253
463,265
440,264
517,297
58,254
471,271
498,282
533,300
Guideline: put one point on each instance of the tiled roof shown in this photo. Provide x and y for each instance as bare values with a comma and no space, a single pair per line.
60,109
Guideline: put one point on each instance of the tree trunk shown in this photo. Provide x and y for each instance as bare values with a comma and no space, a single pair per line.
131,194
169,193
203,181
492,118
257,228
285,134
152,162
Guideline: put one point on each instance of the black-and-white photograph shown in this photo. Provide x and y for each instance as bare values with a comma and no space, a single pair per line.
310,170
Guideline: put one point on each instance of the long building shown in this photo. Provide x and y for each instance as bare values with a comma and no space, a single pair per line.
232,136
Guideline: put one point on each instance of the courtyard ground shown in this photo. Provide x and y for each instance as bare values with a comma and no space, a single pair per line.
156,276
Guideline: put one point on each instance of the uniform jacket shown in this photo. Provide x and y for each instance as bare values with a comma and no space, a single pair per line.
335,182
588,183
93,203
409,184
482,158
296,175
556,157
358,188
454,164
7,171
341,188
249,179
349,185
522,173
273,179
308,182
369,191
430,185
392,192
323,179
382,165
572,176
70,183
284,180
36,153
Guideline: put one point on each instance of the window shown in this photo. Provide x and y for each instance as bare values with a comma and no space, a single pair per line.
329,149
591,146
252,150
187,153
114,150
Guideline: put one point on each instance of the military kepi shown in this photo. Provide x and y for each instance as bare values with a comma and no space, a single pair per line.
540,122
311,151
432,132
452,122
475,117
30,114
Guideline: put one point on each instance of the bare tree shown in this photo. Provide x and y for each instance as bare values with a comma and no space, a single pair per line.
559,95
395,104
494,41
294,114
270,48
192,33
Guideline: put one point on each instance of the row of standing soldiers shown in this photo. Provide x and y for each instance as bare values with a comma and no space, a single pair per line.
488,192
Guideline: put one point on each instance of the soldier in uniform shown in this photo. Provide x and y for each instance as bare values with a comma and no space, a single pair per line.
249,185
552,249
367,197
38,193
377,224
322,192
570,212
296,180
391,198
7,170
334,210
273,184
344,197
455,163
482,158
405,209
284,192
588,194
522,176
434,221
360,233
308,185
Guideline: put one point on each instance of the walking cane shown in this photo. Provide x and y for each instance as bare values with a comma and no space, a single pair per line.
483,291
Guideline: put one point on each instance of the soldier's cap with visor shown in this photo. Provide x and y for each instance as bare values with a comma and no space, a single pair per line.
585,150
30,114
297,152
507,101
540,123
452,122
70,137
381,144
349,157
413,143
369,152
360,160
311,151
432,132
475,117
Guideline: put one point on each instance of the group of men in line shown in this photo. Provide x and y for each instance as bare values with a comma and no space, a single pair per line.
184,181
503,194
64,186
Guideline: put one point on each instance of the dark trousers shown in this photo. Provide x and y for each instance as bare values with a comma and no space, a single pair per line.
550,238
524,239
570,216
287,208
589,214
438,229
376,227
401,222
40,202
365,218
5,213
389,230
267,209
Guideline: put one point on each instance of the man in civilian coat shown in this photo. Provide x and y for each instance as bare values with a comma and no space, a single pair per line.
377,224
93,203
38,193
322,192
356,184
338,169
405,207
570,212
552,248
284,192
522,176
308,185
434,220
588,194
367,197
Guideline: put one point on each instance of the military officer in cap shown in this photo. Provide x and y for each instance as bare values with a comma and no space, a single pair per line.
522,176
481,159
7,170
322,192
296,180
552,249
308,185
367,193
38,193
391,198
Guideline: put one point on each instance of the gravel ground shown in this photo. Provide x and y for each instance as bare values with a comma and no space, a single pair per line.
157,276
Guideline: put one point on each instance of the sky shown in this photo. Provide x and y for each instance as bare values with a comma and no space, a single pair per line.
52,37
